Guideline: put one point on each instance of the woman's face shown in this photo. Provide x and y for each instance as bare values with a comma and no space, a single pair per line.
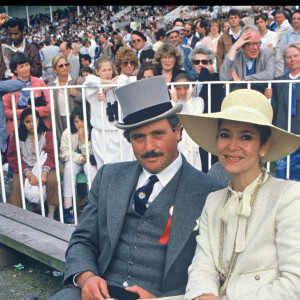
62,67
105,71
78,123
199,61
182,89
225,26
23,71
167,61
28,123
239,148
127,67
148,74
214,28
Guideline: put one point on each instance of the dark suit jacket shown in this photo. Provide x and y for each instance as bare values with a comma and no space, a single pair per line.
194,41
280,103
96,237
31,51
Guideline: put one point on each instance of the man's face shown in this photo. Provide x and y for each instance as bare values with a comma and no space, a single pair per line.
102,39
292,57
178,24
173,38
64,50
84,62
137,42
296,20
234,21
155,145
188,30
251,49
16,35
261,24
279,18
200,30
84,74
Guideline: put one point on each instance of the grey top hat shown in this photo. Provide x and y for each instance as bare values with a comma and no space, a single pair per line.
145,101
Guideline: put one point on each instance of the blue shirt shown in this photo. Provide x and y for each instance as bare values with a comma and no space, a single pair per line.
289,36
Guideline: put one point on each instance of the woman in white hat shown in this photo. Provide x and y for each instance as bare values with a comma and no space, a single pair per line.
248,244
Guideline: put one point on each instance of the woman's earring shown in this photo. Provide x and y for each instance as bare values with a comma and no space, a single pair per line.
262,154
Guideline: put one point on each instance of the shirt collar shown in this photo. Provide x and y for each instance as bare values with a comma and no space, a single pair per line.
57,82
165,175
22,46
231,33
249,62
294,77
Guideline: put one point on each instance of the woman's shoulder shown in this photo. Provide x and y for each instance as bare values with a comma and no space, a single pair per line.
36,80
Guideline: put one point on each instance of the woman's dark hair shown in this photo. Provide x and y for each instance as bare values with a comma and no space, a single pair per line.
264,131
78,111
149,53
148,65
18,58
23,132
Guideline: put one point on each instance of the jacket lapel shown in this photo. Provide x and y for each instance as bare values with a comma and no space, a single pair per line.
118,198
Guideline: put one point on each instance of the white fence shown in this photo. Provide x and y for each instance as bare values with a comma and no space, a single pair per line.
68,113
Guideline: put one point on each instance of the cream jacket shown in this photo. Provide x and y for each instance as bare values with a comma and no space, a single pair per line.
269,268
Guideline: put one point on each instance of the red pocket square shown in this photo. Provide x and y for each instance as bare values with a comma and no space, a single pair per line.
166,234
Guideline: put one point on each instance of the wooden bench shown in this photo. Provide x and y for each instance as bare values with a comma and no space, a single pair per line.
39,237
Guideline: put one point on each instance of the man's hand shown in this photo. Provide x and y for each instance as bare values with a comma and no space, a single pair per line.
140,291
73,92
92,286
246,37
101,96
32,179
268,93
208,297
3,18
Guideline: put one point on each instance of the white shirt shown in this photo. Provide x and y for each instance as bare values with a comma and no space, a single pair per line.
164,177
270,38
61,97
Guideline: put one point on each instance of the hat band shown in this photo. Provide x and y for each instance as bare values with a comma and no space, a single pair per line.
147,113
248,109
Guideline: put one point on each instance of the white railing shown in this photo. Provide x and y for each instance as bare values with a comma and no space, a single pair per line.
103,115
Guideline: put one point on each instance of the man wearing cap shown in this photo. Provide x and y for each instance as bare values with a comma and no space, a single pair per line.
138,42
136,238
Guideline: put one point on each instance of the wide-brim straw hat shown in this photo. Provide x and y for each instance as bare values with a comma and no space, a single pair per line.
244,105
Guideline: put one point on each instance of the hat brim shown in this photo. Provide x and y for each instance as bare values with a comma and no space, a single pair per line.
168,113
203,130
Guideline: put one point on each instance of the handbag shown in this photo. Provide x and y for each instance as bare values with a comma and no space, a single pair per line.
38,101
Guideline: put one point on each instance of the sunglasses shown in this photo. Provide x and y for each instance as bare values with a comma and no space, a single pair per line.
198,61
127,62
136,41
65,64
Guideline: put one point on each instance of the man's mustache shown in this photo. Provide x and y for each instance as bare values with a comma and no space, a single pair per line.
151,154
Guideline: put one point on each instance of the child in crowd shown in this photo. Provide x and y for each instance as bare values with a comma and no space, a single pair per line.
183,94
29,163
110,151
80,149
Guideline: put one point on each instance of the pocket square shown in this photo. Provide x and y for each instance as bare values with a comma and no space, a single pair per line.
197,225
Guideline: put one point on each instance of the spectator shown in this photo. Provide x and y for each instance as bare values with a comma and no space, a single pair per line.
168,61
126,63
105,46
75,49
47,54
184,94
86,61
127,36
16,38
269,39
178,22
283,26
200,29
147,55
271,23
110,152
85,71
228,38
81,148
147,70
189,29
60,66
118,43
224,26
249,62
160,39
20,64
280,102
66,50
29,161
138,42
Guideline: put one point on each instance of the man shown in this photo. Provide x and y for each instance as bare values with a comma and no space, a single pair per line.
190,35
271,24
47,54
160,39
293,34
105,46
269,39
66,49
173,38
135,240
15,38
280,102
283,26
200,29
246,61
178,22
85,71
227,39
138,42
86,61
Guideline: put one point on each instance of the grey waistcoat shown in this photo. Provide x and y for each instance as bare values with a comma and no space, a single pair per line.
140,258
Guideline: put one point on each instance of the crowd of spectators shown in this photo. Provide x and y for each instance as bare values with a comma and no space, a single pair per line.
199,45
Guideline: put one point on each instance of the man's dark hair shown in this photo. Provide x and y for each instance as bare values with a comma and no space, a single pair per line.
68,45
261,16
86,69
282,12
13,22
178,20
47,40
148,53
86,57
160,33
18,58
85,41
173,121
234,12
296,11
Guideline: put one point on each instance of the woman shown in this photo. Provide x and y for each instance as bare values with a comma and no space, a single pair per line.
147,70
127,36
118,43
20,66
126,63
29,160
168,61
248,232
60,67
75,49
224,26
